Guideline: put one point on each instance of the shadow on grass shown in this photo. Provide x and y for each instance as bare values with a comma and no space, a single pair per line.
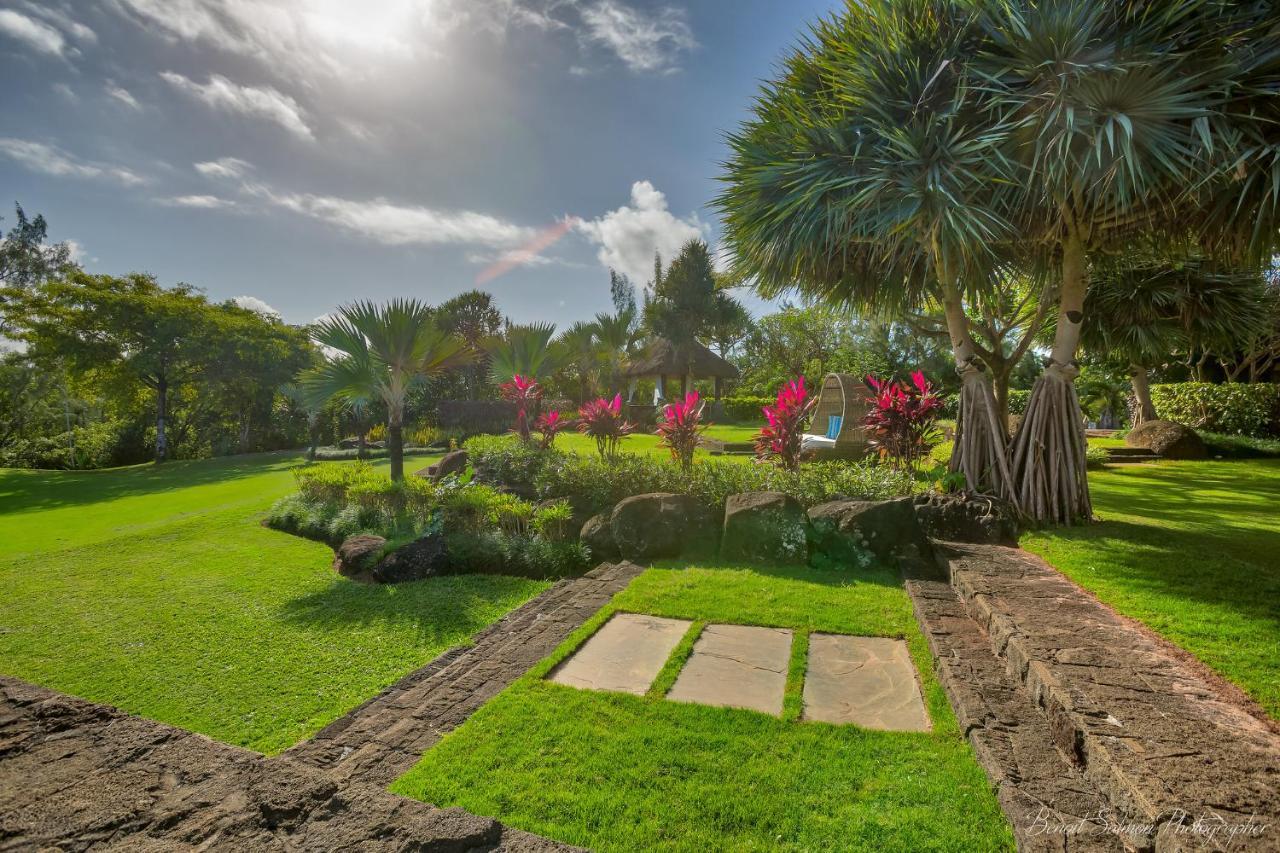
437,608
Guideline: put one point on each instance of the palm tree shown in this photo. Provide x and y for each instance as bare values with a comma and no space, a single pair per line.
872,176
523,350
617,335
310,407
381,350
580,351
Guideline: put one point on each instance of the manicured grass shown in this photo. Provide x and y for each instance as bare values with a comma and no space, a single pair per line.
620,772
155,589
1192,549
645,443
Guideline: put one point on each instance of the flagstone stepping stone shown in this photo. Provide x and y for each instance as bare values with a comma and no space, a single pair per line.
868,681
624,656
737,666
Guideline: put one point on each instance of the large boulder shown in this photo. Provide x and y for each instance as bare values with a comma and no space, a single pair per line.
422,558
656,525
450,463
967,518
888,529
1168,439
765,527
356,554
597,535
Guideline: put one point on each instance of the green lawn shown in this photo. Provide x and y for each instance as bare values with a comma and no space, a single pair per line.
155,589
619,772
1192,549
645,443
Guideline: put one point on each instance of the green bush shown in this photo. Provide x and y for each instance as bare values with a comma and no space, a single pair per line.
1095,456
593,483
1240,446
337,454
746,409
495,552
1235,408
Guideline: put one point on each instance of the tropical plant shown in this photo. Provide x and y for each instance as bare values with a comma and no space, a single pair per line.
527,395
580,354
872,175
681,427
901,424
381,350
549,426
617,335
603,420
525,350
780,437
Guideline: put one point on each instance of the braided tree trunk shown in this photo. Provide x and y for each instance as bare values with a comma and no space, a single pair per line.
1049,464
981,446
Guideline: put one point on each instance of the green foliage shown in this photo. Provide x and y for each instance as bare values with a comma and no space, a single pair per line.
1237,408
1240,446
743,409
1096,456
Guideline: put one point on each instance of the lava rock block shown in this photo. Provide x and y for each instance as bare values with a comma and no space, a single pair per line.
450,463
765,527
597,535
422,558
355,555
888,529
977,519
1168,439
655,525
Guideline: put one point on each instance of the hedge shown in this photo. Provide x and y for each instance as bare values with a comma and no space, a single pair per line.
746,409
1235,408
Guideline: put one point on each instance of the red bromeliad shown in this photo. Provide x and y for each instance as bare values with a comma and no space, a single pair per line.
526,393
780,437
548,426
603,420
681,427
900,425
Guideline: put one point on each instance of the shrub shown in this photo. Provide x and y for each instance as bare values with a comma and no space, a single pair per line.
901,422
494,552
745,409
553,521
603,420
477,507
502,459
1095,456
780,437
526,394
1235,408
680,429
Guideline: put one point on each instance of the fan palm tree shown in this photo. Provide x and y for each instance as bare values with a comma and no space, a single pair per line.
581,353
381,351
872,176
523,350
617,335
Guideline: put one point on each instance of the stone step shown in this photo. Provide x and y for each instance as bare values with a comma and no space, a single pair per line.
1167,743
1050,805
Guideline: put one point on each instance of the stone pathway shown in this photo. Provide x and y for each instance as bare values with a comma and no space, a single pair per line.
624,656
379,741
76,775
868,681
1146,739
736,666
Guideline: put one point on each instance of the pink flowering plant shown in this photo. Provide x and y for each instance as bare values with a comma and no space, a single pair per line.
681,427
901,425
603,420
784,424
548,426
526,393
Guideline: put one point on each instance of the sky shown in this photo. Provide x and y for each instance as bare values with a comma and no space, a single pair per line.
299,154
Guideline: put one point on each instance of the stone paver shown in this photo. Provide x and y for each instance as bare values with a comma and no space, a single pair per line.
1162,740
624,656
867,681
738,666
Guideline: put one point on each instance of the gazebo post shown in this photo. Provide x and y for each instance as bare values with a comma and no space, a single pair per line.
718,386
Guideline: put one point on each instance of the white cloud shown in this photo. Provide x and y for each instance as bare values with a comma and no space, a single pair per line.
643,41
225,167
66,91
260,101
76,250
36,34
253,303
122,95
209,202
59,18
629,236
53,161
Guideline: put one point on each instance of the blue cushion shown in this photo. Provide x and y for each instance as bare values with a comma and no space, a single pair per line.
833,426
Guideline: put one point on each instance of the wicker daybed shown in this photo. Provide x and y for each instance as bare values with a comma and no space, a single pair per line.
836,431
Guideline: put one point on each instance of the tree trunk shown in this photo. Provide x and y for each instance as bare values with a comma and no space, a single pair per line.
1145,410
981,444
1000,383
162,416
1049,463
313,427
395,445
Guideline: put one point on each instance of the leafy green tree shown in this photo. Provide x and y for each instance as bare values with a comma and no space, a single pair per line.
26,260
474,317
163,338
382,350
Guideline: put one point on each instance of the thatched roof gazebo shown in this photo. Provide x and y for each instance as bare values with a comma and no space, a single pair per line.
662,359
